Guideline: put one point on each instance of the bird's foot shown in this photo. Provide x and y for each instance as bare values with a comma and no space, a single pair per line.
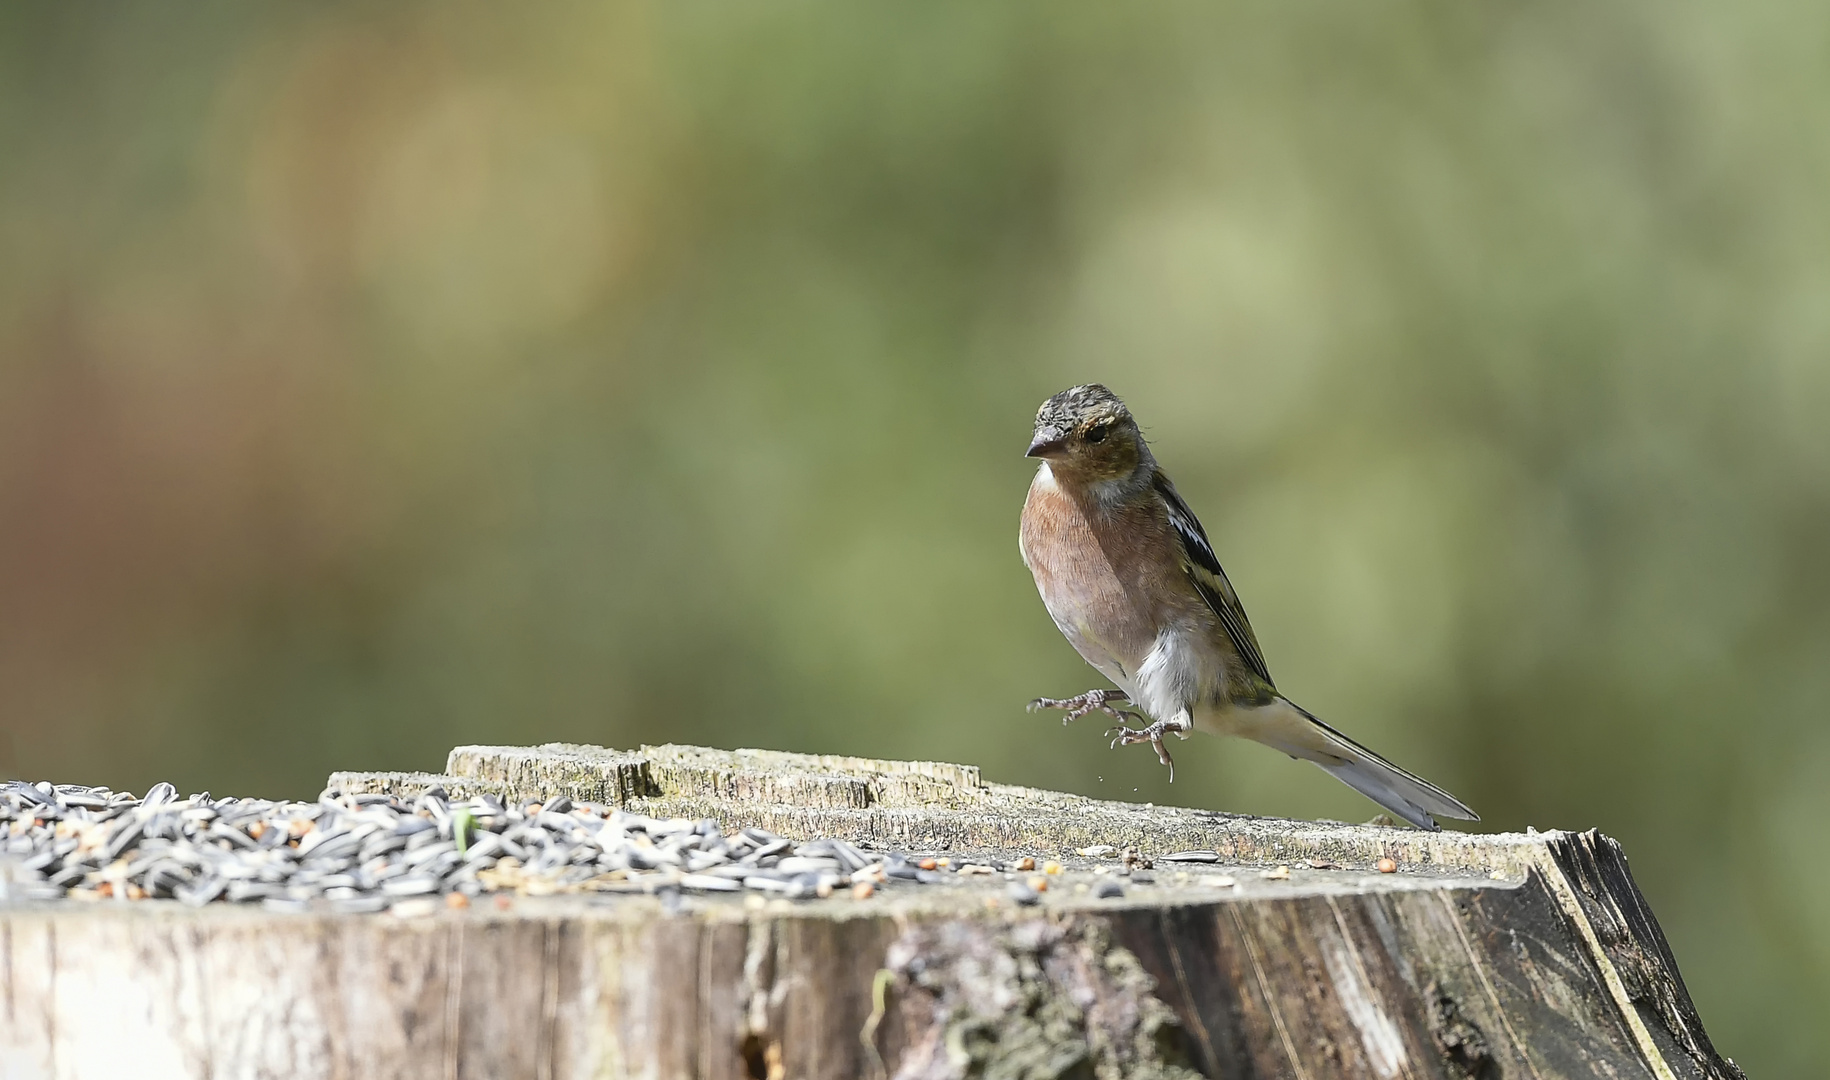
1091,701
1123,735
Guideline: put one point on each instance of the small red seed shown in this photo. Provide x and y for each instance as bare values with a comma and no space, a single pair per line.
1387,865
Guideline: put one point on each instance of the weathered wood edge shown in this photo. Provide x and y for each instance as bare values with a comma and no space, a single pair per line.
1588,874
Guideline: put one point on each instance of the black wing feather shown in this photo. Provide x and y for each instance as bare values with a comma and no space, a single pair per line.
1210,580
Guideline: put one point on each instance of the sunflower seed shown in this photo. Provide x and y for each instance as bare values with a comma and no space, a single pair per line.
369,851
361,905
21,790
202,892
797,864
708,883
774,847
770,884
410,885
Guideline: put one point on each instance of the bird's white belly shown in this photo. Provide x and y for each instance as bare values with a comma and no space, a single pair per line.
1181,672
1168,682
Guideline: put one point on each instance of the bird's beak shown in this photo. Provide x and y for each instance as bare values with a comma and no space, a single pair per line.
1045,443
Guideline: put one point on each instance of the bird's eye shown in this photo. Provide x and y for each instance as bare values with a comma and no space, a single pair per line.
1098,433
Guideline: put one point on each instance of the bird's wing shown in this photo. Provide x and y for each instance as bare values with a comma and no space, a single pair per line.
1204,572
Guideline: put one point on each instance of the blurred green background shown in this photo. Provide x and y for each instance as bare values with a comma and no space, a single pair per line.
377,378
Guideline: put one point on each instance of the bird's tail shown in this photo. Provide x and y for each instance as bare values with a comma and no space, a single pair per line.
1288,727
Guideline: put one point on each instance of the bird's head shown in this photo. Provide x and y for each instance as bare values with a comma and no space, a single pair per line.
1087,433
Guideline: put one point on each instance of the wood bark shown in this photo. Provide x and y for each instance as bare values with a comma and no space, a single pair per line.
1485,957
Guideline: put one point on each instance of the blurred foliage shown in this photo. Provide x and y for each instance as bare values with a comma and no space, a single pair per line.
375,378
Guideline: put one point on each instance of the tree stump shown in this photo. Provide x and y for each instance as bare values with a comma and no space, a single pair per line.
1269,949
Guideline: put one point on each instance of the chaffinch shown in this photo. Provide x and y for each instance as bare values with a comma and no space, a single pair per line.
1127,573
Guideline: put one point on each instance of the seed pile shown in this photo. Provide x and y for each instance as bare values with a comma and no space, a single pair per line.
371,852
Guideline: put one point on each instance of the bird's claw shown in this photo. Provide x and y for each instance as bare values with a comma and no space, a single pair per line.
1123,735
1091,701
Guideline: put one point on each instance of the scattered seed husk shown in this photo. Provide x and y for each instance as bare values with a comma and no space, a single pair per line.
373,852
1191,856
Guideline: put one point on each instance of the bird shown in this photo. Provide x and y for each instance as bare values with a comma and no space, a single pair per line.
1128,575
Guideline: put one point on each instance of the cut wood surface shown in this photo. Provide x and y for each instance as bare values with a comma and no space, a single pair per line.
1483,956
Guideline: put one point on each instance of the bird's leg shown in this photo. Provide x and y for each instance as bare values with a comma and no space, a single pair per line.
1091,701
1153,734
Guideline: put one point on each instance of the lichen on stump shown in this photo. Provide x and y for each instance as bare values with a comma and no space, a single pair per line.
1029,1000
